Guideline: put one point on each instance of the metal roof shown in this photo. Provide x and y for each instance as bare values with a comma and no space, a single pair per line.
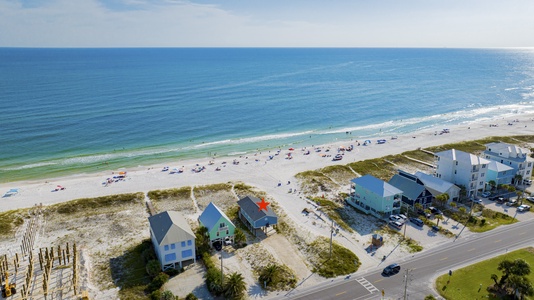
170,227
376,186
252,209
411,189
498,167
457,155
435,183
211,215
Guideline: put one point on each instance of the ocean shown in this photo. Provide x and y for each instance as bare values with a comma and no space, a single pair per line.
71,111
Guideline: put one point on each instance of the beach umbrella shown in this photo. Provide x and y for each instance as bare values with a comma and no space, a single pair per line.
291,149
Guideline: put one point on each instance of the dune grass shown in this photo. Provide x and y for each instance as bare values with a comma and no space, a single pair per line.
10,220
342,262
88,205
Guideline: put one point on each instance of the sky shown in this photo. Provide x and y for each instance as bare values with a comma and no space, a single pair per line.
272,23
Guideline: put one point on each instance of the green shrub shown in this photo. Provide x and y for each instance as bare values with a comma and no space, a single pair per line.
155,295
173,272
482,222
191,296
158,282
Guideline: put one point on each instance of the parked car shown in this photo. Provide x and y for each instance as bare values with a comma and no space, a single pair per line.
403,217
423,213
338,157
527,181
531,199
493,198
391,269
485,194
523,207
435,210
395,224
511,202
395,218
500,200
417,221
476,200
435,228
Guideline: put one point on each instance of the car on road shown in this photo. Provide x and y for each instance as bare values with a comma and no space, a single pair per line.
523,207
485,194
511,202
391,269
395,224
417,221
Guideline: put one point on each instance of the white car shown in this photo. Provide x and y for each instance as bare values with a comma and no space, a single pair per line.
485,194
523,207
395,218
403,217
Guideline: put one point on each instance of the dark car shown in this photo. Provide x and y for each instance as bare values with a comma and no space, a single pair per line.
217,245
391,269
423,213
435,210
435,228
417,221
493,198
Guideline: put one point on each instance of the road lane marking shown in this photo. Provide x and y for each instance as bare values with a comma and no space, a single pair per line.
338,294
444,258
367,285
497,241
378,280
472,249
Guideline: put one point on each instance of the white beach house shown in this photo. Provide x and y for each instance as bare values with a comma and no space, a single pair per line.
462,168
513,156
374,196
438,186
173,239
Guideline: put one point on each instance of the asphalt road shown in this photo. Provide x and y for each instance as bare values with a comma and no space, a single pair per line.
423,268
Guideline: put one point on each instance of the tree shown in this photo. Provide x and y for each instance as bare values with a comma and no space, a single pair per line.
430,297
167,295
268,275
492,184
514,277
202,239
153,268
418,206
235,286
494,277
239,237
442,199
438,217
518,178
453,205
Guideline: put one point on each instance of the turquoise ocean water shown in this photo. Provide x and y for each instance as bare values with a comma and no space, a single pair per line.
68,111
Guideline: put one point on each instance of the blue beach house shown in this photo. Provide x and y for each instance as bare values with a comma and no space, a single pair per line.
254,218
413,189
500,173
218,224
173,239
375,196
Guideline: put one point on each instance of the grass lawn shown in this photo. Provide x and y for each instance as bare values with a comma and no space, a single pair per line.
465,283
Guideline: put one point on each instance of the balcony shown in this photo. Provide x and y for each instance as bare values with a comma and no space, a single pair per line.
223,228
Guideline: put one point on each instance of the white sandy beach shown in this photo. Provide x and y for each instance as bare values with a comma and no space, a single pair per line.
265,174
256,169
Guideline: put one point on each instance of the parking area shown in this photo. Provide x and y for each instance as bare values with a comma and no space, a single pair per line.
509,210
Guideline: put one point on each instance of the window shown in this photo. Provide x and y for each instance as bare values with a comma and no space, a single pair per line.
222,225
226,232
183,244
217,233
173,246
481,183
456,163
189,243
166,247
481,174
187,253
170,257
454,171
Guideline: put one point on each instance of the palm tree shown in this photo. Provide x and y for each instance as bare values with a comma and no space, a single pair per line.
492,183
167,295
239,236
235,286
518,178
442,199
269,274
439,217
453,205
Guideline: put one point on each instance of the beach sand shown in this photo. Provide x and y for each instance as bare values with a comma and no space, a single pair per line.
256,169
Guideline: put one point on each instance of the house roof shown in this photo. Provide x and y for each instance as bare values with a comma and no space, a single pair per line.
457,155
251,208
211,215
508,150
410,188
376,185
435,183
498,167
170,227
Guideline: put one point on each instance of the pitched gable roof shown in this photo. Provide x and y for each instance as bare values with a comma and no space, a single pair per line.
170,227
498,167
410,188
434,183
457,155
376,185
252,209
211,215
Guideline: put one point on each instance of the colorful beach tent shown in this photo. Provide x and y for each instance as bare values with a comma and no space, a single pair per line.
11,192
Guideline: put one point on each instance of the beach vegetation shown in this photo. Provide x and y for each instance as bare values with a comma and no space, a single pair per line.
315,182
275,277
495,278
341,174
342,262
412,245
220,194
179,193
11,220
129,271
235,286
92,205
242,190
380,168
335,211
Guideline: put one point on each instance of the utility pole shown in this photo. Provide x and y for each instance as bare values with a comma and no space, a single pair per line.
404,235
331,237
222,274
406,284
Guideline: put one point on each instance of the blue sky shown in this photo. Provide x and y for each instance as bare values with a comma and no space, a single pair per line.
273,23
